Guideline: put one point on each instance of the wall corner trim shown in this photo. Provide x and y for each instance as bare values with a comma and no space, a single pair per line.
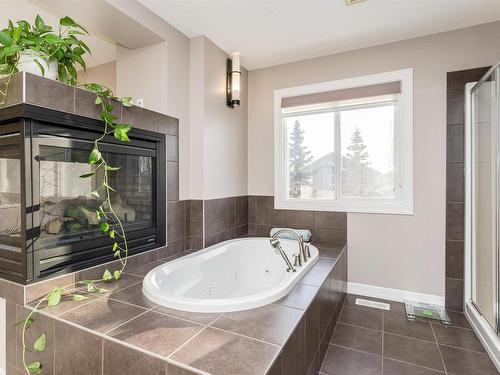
397,295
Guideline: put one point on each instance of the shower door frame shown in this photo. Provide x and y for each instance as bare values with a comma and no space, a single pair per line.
488,335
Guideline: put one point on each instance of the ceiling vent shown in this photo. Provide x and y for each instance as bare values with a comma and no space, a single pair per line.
353,2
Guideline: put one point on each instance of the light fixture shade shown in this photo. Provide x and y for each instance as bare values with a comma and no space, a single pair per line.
233,81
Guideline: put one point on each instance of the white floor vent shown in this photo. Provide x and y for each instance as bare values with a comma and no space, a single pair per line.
374,304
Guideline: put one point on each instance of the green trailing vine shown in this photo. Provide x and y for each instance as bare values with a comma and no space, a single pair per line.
67,50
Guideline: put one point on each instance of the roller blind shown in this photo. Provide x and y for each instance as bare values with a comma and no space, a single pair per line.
387,88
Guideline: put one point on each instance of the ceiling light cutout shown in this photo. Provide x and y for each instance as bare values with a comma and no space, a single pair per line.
353,2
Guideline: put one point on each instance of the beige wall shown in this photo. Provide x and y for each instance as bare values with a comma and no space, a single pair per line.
177,77
401,252
218,133
104,74
142,73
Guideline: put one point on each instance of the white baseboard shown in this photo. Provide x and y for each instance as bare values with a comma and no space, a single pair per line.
397,295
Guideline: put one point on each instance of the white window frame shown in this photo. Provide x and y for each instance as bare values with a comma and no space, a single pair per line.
403,149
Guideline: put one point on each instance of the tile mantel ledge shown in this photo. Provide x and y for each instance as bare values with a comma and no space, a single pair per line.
110,317
26,88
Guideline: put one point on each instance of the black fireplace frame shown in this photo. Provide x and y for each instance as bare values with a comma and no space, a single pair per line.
32,263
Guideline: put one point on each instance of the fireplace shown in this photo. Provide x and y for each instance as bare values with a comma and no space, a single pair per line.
48,223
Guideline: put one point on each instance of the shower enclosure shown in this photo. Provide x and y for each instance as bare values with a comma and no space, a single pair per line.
482,208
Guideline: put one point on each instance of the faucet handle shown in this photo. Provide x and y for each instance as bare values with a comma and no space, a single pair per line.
297,260
308,250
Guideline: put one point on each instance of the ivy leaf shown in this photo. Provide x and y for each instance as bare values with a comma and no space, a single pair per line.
115,246
91,288
98,215
66,21
35,367
40,66
111,168
106,276
95,193
121,131
29,322
39,24
104,227
87,175
112,235
53,39
55,297
5,39
95,156
116,253
79,297
108,117
98,100
39,345
117,275
127,101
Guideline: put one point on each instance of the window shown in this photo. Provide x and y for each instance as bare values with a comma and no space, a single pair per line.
346,145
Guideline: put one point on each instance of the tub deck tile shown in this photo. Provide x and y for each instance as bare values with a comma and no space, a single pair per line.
271,323
224,353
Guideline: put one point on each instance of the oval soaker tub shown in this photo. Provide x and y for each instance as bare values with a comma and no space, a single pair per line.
231,276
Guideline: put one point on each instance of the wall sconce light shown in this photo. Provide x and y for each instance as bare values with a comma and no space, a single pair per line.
233,84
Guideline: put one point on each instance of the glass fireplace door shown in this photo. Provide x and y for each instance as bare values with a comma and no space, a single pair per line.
68,203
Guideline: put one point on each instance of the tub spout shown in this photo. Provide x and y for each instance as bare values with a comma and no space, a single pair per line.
275,243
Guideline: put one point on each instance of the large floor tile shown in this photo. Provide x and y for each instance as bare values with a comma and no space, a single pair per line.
103,315
458,337
392,367
342,361
414,351
399,325
366,340
271,323
223,353
361,317
465,362
458,319
158,333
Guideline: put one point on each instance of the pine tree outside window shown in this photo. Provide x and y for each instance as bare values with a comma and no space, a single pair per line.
346,145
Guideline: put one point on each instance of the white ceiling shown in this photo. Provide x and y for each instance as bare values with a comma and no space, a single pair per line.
271,32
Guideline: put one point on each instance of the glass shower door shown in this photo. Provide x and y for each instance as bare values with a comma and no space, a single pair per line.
484,173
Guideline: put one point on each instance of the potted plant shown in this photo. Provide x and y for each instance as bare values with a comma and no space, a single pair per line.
38,49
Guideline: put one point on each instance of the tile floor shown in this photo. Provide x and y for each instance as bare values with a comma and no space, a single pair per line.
368,341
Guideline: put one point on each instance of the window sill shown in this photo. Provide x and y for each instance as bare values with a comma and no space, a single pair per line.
392,208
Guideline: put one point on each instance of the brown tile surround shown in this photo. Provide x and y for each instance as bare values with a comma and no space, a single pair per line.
121,330
369,341
455,183
326,227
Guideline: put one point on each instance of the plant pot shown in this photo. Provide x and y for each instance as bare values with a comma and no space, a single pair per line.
28,64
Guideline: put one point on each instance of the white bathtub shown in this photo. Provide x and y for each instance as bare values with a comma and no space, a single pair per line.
233,275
